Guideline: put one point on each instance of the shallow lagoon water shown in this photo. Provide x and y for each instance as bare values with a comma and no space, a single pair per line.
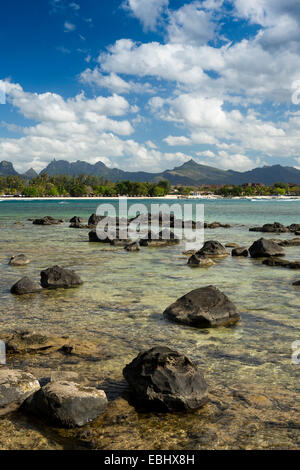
124,294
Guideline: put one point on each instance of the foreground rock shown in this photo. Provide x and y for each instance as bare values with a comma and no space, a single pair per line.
19,260
273,261
166,380
15,387
213,249
48,220
25,286
196,261
57,277
264,248
240,251
205,307
67,404
297,283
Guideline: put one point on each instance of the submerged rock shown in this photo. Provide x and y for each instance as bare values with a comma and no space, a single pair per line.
32,342
15,387
273,261
196,261
292,242
166,380
276,227
205,307
67,404
133,247
57,277
19,260
25,286
264,248
240,251
213,249
47,220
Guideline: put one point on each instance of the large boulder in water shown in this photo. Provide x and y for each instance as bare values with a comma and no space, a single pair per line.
213,249
57,277
166,380
15,387
67,404
264,248
203,308
25,286
95,219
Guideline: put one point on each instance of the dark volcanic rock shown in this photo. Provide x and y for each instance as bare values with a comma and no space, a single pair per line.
270,228
196,261
95,219
294,228
133,247
203,308
25,286
264,248
19,260
292,242
166,380
75,220
57,277
297,283
48,220
15,387
213,249
240,251
67,404
273,261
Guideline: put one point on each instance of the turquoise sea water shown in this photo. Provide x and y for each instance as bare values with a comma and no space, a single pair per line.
124,294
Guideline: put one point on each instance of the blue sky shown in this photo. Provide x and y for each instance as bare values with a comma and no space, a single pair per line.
149,84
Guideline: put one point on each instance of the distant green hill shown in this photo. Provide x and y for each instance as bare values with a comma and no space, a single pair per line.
190,173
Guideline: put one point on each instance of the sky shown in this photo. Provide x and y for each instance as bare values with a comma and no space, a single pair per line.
150,84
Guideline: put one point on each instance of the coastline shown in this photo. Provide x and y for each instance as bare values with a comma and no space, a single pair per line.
169,197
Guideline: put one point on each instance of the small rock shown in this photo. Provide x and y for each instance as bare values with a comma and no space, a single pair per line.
213,249
15,387
241,251
273,261
166,380
67,404
57,277
19,260
25,286
133,247
196,261
297,283
48,220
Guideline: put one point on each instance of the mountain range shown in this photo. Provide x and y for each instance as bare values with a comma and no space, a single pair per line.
188,174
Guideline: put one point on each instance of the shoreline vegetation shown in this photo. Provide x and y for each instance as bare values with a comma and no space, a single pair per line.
93,187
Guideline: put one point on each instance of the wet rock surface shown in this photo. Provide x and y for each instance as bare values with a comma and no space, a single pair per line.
264,248
15,387
25,286
213,249
165,380
276,227
47,220
203,308
58,277
273,261
19,260
240,251
196,261
67,404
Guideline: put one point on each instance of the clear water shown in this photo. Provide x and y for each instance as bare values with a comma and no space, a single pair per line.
124,294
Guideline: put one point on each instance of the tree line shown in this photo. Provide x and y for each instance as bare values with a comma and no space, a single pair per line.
78,186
